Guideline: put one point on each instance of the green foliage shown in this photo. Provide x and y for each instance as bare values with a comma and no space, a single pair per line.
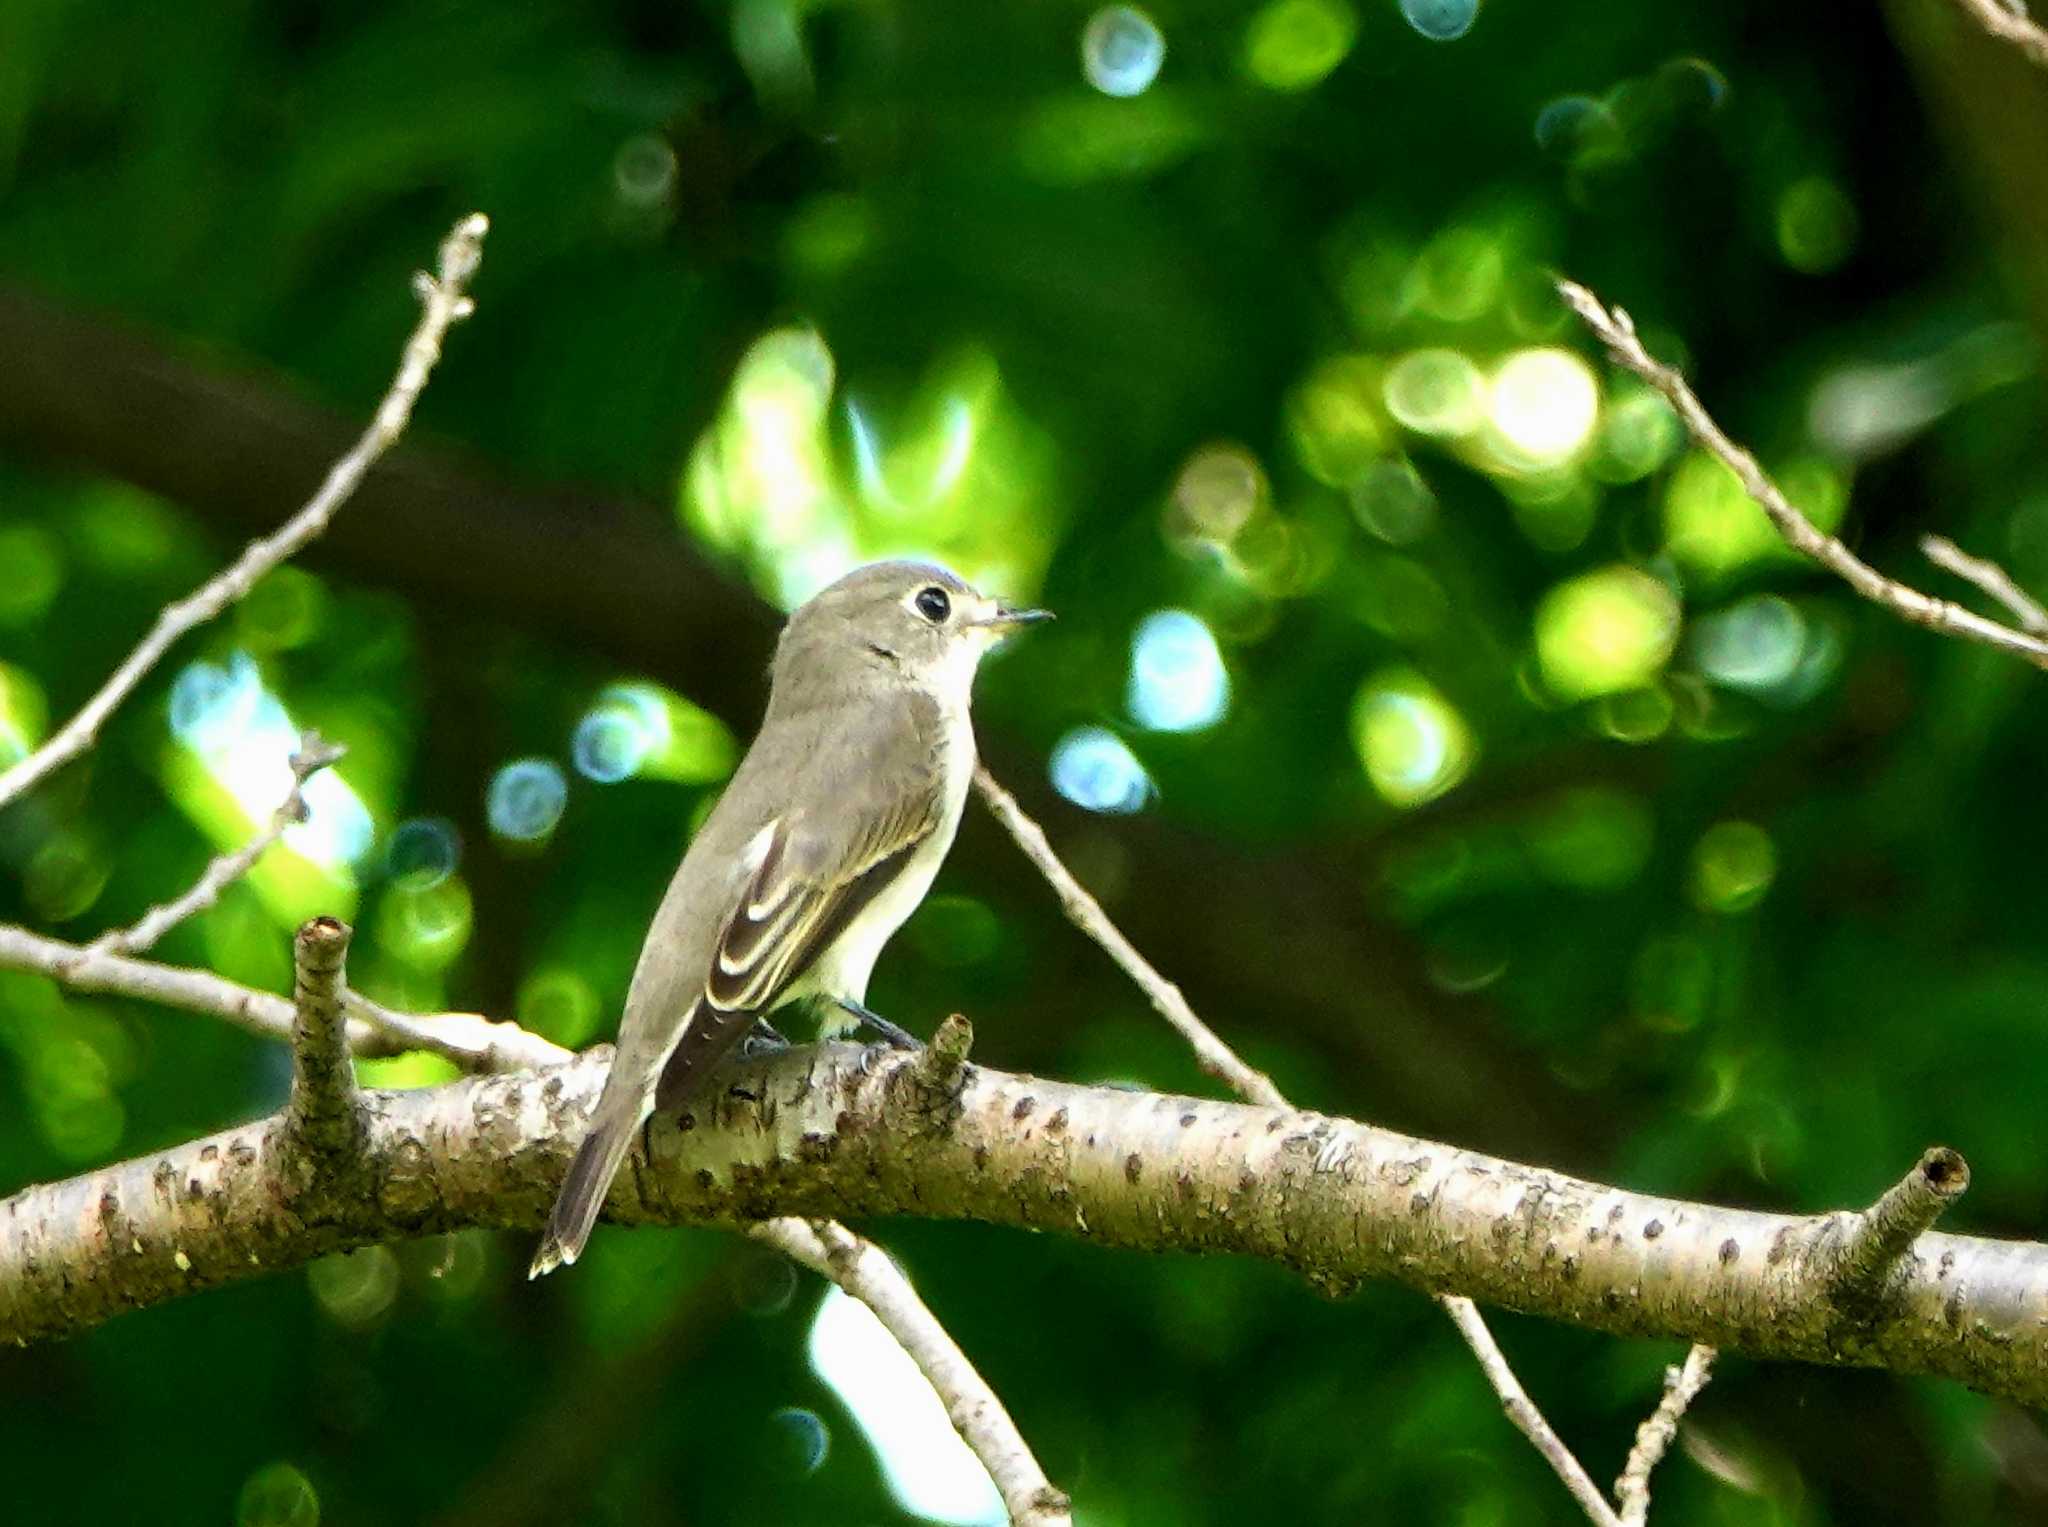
1510,783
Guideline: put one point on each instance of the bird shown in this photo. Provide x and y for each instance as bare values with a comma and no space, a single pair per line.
825,840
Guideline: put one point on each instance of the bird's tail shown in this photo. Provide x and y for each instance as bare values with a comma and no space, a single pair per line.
583,1190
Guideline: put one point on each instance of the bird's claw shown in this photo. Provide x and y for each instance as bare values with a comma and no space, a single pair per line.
896,1036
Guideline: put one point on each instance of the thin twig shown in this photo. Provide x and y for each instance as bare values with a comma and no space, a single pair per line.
444,301
1617,331
1991,578
1085,912
2009,25
1254,1086
868,1274
1521,1410
1654,1437
321,1116
1886,1231
471,1042
313,755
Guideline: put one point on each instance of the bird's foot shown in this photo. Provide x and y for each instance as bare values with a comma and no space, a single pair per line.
881,1027
762,1039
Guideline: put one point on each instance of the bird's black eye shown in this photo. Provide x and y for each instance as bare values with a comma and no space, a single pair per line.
933,605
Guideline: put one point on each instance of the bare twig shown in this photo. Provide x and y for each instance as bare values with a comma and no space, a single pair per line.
1515,1402
1654,1437
2010,25
1085,912
1220,1061
1886,1231
444,301
868,1274
314,754
1617,331
321,1117
1991,578
472,1042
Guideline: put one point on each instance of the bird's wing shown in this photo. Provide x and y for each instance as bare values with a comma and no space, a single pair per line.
818,868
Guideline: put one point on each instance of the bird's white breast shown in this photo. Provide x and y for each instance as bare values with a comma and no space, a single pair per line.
843,970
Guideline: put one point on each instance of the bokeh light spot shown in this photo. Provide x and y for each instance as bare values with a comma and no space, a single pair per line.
1816,225
1605,631
1637,435
610,742
560,1002
928,1468
284,611
1564,124
1335,419
1692,85
1436,392
356,1288
1393,503
24,713
422,852
1216,494
1178,682
526,799
1459,276
35,571
1440,20
1121,51
1294,44
644,171
1754,645
243,738
1544,404
1093,768
1636,715
277,1495
1713,526
953,931
426,927
1732,867
1412,741
65,876
801,1438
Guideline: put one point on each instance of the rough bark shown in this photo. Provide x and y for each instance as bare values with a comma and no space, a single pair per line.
844,1132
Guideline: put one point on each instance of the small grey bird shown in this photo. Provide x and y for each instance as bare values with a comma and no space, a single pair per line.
825,841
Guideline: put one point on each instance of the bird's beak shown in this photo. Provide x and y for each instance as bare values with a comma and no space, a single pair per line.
1006,619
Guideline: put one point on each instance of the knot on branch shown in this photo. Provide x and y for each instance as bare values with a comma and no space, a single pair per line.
941,1061
1877,1240
937,1074
323,1125
313,754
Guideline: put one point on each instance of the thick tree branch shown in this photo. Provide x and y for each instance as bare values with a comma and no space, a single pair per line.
866,1272
1617,331
837,1130
443,301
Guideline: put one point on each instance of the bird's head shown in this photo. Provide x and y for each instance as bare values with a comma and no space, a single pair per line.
922,620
